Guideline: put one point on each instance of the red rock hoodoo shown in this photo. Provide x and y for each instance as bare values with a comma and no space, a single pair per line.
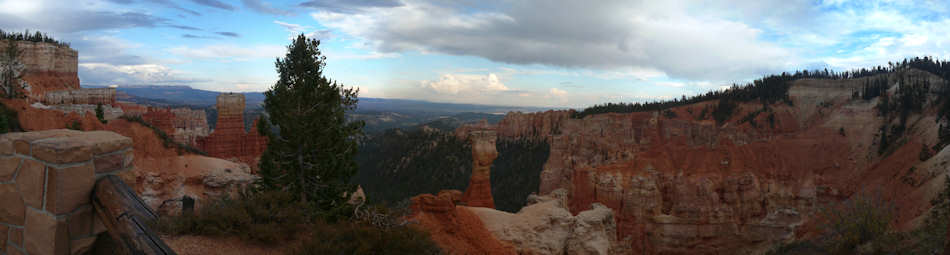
230,140
478,193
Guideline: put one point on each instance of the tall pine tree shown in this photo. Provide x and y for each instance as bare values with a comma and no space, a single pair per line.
312,155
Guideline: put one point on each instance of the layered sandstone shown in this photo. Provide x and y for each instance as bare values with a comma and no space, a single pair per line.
93,96
686,185
478,193
230,139
189,125
47,66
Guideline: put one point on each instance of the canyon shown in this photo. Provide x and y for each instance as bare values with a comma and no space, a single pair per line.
679,183
161,174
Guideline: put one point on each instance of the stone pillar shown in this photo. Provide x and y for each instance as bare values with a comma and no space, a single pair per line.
478,193
46,181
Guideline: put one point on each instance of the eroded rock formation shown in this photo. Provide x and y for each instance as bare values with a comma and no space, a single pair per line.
681,183
478,193
456,229
92,96
47,67
189,125
230,140
545,226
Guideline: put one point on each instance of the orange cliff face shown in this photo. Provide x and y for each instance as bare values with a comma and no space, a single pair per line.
682,184
48,67
230,140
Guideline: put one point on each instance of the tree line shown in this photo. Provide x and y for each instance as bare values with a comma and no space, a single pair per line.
30,37
774,88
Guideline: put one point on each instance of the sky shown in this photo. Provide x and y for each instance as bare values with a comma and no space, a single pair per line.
547,53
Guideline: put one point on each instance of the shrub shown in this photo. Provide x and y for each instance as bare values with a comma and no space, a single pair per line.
75,125
264,217
669,114
100,114
930,237
8,120
167,140
861,221
355,238
276,217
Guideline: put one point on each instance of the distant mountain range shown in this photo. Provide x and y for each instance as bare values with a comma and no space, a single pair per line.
378,113
184,95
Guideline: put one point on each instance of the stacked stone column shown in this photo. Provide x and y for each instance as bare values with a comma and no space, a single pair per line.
46,181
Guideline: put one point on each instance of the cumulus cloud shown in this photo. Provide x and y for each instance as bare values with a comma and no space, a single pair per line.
101,74
557,94
466,83
607,36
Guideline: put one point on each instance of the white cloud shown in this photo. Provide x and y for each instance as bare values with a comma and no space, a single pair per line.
558,94
124,75
229,52
296,29
466,83
612,35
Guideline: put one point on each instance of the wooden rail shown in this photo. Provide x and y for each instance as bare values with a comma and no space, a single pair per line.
126,218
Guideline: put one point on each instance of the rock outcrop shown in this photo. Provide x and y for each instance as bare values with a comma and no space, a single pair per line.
456,229
47,67
478,193
91,96
547,227
230,140
199,177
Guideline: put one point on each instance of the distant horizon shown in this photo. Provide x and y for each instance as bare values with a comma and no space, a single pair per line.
495,53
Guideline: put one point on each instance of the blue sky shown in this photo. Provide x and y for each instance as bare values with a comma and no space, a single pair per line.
526,53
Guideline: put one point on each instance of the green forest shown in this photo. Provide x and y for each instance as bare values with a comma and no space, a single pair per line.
399,164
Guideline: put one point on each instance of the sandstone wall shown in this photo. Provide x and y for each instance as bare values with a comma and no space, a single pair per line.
105,96
48,67
46,180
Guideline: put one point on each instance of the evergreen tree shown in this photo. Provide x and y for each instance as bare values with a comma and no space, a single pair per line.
100,113
312,156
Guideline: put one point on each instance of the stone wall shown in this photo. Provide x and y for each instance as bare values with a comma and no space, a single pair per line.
46,181
93,96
